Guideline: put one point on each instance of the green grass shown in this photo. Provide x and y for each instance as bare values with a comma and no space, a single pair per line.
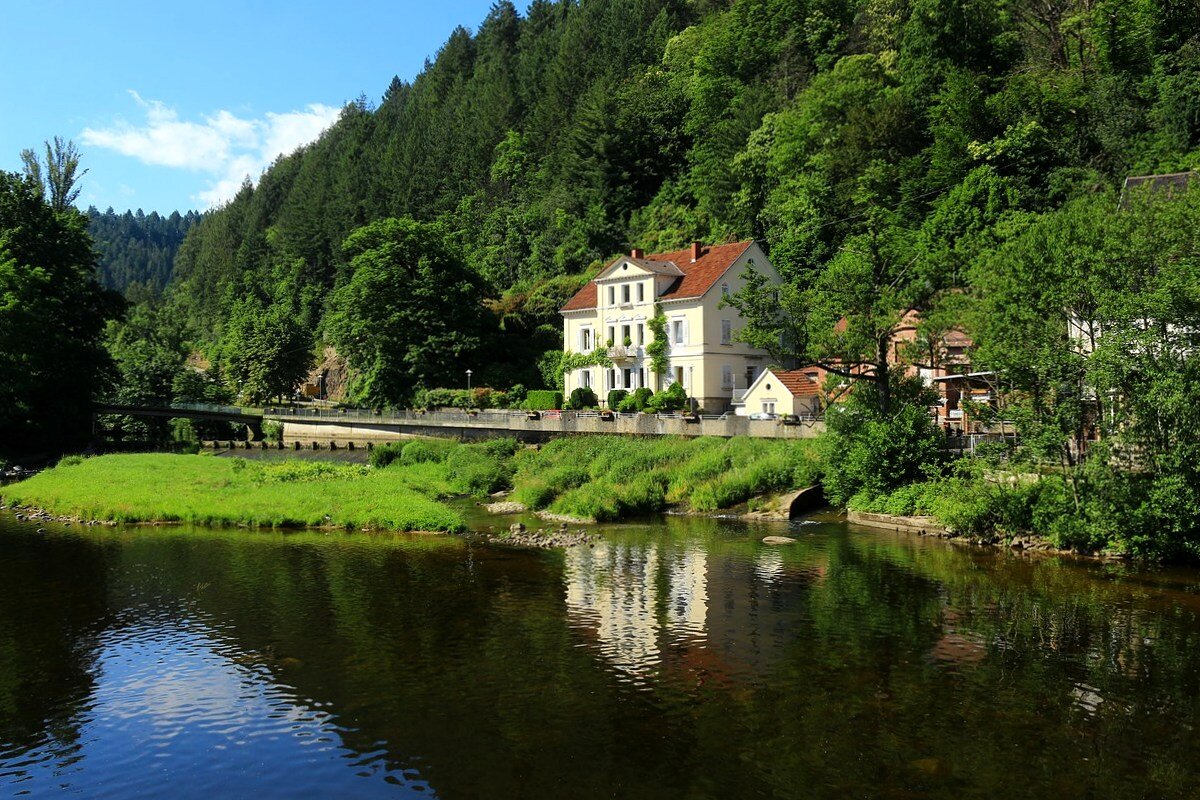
225,491
599,477
612,477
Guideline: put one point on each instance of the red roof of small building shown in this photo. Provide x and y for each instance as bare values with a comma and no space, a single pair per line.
798,382
698,276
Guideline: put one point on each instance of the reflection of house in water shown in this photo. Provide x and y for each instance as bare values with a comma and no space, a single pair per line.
616,589
651,607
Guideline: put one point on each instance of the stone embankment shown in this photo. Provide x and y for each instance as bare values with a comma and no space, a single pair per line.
928,526
37,516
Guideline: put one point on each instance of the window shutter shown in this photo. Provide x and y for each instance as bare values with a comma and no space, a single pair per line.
686,335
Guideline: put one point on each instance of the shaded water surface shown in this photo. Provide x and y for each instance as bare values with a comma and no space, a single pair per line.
680,659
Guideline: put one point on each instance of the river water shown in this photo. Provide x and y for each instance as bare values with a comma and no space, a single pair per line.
682,658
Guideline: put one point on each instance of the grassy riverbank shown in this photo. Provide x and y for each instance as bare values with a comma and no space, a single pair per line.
611,477
231,491
602,478
605,478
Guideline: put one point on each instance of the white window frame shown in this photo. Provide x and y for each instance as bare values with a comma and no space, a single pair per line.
612,295
641,291
625,294
679,331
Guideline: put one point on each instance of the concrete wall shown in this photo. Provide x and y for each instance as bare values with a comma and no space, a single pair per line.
491,425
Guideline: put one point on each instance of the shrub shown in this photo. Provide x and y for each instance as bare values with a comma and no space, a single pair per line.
615,398
478,397
636,401
385,454
515,396
865,452
272,431
582,398
421,451
535,495
480,469
543,399
596,501
65,461
673,398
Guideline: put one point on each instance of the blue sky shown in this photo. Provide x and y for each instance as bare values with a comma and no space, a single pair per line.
173,103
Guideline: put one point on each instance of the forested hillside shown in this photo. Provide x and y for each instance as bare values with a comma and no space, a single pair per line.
136,247
548,140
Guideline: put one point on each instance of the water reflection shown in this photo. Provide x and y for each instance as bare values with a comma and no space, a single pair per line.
680,659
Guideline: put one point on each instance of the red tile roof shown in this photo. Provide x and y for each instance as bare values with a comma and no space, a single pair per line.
797,382
698,276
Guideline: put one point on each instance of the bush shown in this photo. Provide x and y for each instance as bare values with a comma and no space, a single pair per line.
480,469
615,398
272,431
478,397
385,454
65,461
636,401
543,400
582,398
865,452
673,398
422,451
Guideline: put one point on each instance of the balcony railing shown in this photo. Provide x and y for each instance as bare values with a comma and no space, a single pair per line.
624,352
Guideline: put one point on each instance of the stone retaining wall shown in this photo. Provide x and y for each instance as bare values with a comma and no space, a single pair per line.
520,427
921,525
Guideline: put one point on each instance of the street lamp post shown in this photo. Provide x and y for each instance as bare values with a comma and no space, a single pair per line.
468,380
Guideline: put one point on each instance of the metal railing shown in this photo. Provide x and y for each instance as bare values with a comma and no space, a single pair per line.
201,408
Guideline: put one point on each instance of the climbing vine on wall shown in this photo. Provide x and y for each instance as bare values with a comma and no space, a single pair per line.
596,358
657,349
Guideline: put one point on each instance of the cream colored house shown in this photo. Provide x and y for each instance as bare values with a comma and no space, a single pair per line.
613,312
778,392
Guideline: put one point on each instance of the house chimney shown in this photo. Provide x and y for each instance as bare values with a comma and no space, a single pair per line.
637,252
696,248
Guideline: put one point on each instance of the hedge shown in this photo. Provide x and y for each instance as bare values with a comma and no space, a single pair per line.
543,400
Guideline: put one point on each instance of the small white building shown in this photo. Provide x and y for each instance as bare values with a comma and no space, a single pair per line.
613,312
780,392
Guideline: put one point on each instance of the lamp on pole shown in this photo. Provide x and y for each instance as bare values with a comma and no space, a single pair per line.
468,380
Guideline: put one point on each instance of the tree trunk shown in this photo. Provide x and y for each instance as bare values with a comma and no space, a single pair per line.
883,383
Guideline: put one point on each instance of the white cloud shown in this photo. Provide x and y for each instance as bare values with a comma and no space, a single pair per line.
225,146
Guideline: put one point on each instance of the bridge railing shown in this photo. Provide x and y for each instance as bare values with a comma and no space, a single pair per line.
200,408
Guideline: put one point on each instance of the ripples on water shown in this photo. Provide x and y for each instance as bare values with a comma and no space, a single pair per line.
680,659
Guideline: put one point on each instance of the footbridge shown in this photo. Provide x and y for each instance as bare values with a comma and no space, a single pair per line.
201,411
